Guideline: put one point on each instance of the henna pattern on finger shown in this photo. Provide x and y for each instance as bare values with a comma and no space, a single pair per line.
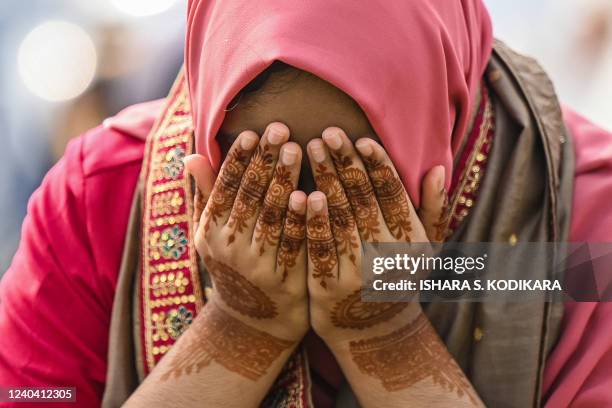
441,226
293,235
238,292
252,189
321,249
226,186
221,338
270,223
352,313
410,355
361,196
199,204
392,198
340,213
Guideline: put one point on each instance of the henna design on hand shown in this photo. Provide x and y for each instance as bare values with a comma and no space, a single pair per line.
352,313
408,356
252,189
219,337
340,213
226,187
321,248
360,195
294,233
238,292
274,207
391,198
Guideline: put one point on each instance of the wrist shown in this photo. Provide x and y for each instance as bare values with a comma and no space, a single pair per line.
339,339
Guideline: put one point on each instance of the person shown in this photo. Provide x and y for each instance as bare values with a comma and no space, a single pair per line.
217,263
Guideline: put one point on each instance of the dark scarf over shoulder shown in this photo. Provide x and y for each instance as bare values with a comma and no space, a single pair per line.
502,347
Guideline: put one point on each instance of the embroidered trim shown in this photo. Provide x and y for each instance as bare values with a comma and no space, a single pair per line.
171,292
471,168
292,389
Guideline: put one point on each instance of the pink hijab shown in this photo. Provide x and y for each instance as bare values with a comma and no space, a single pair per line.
413,66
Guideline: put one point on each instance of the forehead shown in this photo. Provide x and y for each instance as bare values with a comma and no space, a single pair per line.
304,102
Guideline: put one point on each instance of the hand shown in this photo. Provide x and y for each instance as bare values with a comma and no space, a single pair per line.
388,351
361,199
251,236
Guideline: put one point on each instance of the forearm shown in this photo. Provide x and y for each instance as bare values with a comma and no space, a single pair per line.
406,367
219,361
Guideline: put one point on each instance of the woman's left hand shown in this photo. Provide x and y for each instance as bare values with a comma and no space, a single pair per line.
388,351
361,199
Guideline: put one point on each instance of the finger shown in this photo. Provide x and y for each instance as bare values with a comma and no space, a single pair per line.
291,256
255,181
357,186
434,205
397,210
341,216
199,167
322,255
224,191
284,182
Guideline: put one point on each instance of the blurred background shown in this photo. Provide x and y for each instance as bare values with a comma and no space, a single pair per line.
66,65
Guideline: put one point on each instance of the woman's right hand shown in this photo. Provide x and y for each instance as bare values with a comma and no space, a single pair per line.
251,234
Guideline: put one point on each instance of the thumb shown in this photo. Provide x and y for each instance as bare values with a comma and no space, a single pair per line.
199,167
434,205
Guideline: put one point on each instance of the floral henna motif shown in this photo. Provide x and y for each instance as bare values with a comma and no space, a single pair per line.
291,240
407,356
222,197
232,344
321,249
352,313
252,189
273,210
238,292
391,198
360,195
340,213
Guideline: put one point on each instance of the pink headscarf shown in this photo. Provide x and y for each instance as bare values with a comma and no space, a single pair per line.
413,66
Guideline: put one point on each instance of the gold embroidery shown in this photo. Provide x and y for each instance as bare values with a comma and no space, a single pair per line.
171,185
167,204
170,292
464,195
169,266
169,284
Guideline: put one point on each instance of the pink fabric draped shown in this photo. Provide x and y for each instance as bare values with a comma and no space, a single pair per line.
413,66
579,371
57,296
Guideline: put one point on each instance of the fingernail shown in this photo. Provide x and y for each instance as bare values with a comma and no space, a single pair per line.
277,134
187,159
289,155
248,142
317,151
317,202
333,139
364,147
297,202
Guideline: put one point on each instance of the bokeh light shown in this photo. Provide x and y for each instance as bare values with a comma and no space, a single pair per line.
57,61
141,8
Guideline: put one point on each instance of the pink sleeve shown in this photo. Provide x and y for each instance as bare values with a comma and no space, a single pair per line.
56,298
579,370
